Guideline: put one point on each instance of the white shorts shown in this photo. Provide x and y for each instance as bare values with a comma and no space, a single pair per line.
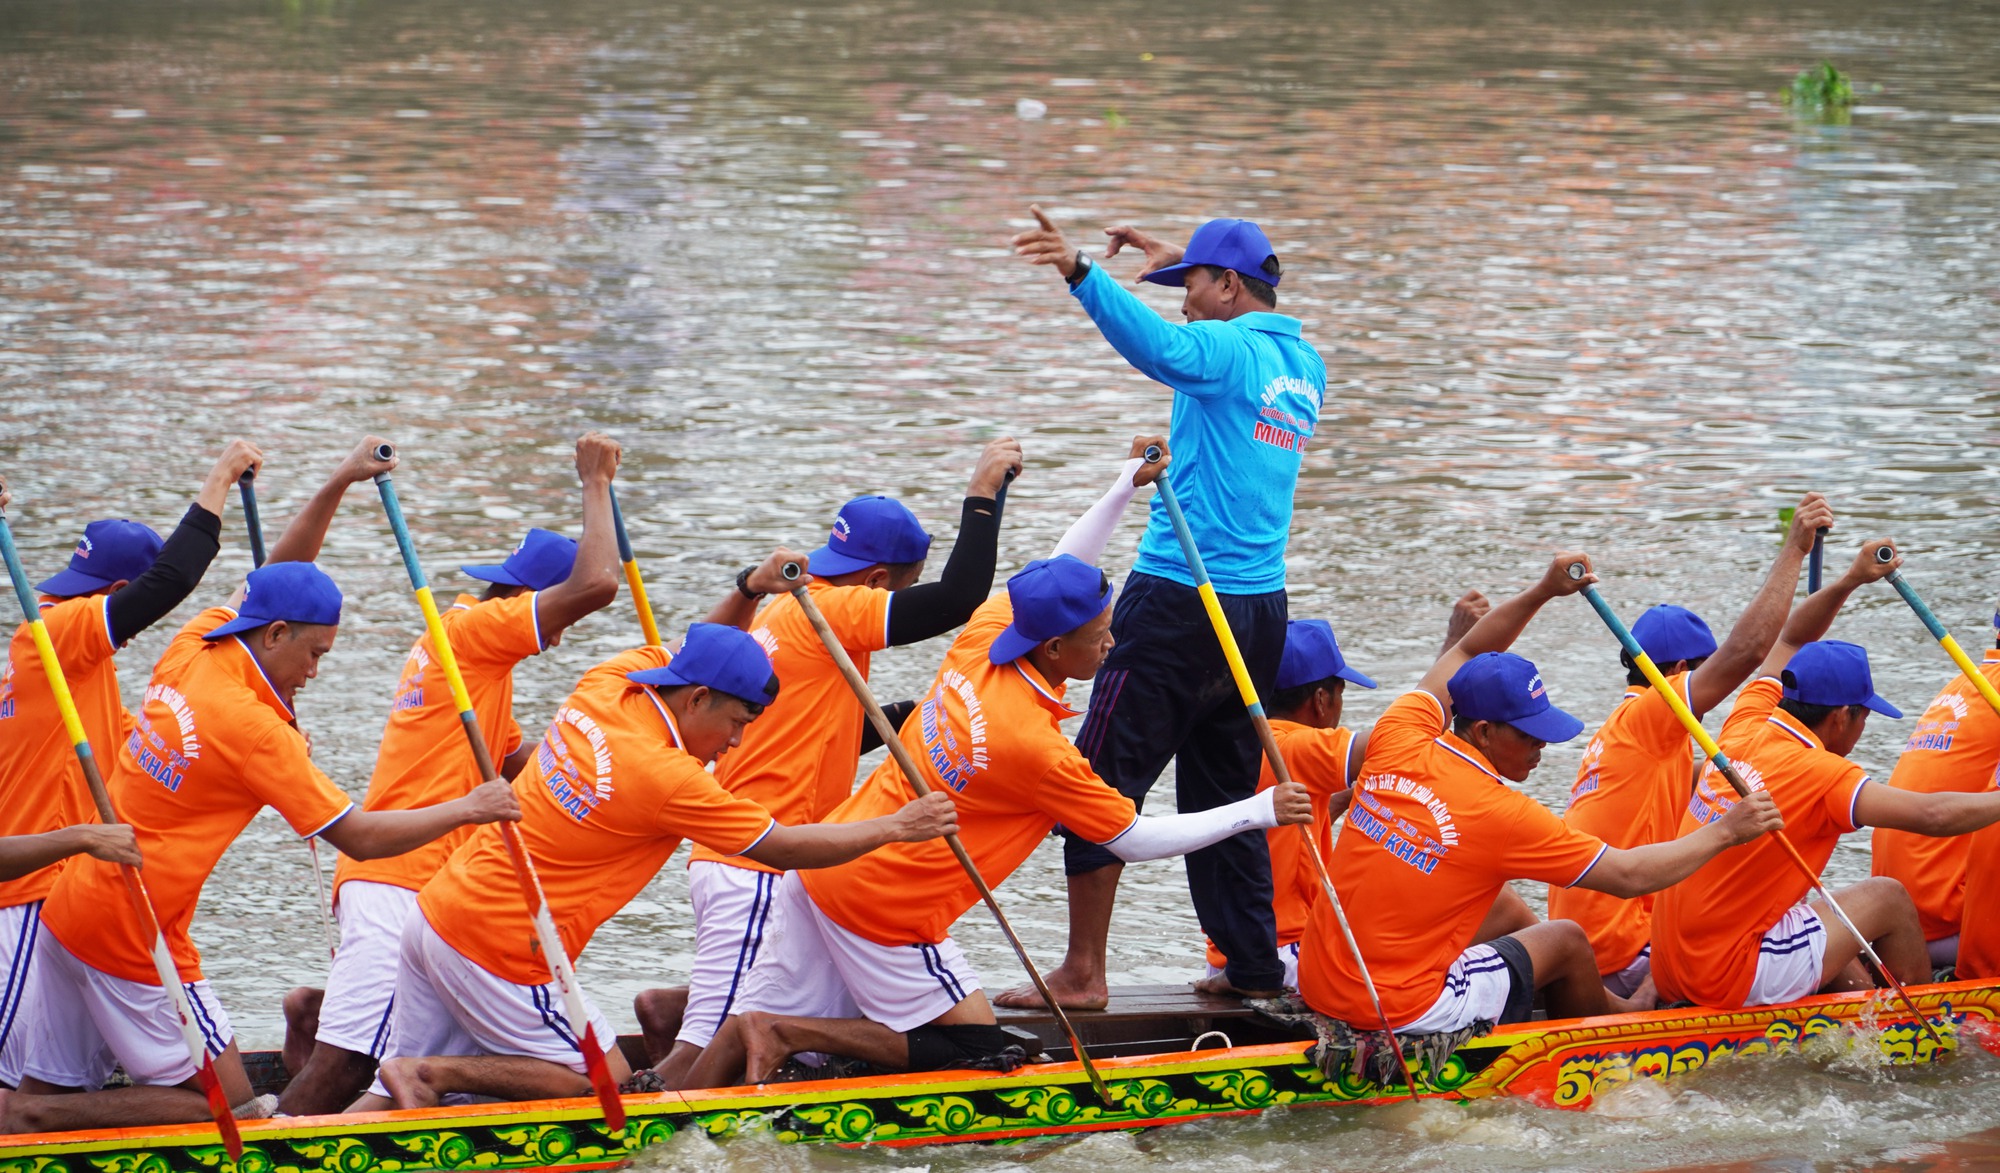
1289,954
1790,959
813,968
18,926
732,906
361,986
1632,976
448,1005
81,1023
1475,987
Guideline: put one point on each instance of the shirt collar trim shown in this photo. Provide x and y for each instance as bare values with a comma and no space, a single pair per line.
1269,323
1471,755
274,696
666,714
1051,698
1790,724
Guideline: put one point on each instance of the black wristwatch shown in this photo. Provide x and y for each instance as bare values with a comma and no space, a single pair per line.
743,584
1082,270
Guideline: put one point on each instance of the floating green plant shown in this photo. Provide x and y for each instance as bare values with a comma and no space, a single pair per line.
1820,91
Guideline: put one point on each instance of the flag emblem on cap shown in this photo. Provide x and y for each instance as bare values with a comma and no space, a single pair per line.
83,548
841,530
1535,688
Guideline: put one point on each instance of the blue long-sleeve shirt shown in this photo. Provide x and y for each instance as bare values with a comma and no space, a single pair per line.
1247,396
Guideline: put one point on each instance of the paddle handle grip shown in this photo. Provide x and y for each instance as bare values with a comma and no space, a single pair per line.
640,602
791,571
1944,638
1815,562
253,524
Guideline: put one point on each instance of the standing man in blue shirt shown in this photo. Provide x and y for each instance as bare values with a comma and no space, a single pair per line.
1247,392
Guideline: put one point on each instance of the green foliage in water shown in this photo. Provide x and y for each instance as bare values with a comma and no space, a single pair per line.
1820,91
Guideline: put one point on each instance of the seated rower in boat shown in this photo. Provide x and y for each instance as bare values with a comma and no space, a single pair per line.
1632,785
1955,747
1739,932
858,959
215,742
607,796
1325,757
1434,832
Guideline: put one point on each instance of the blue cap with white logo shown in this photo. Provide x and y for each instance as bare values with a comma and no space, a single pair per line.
1833,672
868,530
111,551
294,592
1312,654
1226,244
1667,633
1504,687
543,559
720,657
1051,597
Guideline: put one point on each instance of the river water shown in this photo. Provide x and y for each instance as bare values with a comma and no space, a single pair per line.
1579,276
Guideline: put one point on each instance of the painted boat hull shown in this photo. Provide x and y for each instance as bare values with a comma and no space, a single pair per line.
1561,1064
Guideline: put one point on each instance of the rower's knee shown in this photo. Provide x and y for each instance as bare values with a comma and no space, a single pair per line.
1879,905
302,1003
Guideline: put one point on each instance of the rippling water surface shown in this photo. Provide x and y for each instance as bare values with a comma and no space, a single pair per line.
1578,275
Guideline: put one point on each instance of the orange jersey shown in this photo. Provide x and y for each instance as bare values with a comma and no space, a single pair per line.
41,784
1955,747
990,735
213,744
1979,935
1630,791
1431,836
1707,929
424,759
798,758
606,797
1317,759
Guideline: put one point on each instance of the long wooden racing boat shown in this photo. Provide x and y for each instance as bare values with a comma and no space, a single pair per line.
1170,1056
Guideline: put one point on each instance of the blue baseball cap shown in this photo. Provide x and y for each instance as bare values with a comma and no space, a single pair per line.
1504,687
868,530
1667,633
1051,597
111,550
295,592
1833,672
1312,654
1228,244
718,656
543,559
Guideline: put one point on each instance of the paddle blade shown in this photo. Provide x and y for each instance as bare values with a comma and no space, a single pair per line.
600,1079
218,1106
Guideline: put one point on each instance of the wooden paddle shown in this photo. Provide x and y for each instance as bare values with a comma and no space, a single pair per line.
632,579
1938,632
560,970
915,777
1722,764
1269,741
135,885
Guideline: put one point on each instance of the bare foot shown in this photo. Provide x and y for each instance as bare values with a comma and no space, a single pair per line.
659,1013
301,1026
1220,985
1644,998
763,1051
1072,991
406,1083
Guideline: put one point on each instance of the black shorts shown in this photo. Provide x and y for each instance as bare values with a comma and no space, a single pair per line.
1520,979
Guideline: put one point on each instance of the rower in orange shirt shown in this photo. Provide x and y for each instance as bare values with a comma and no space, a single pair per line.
1634,781
1434,832
859,961
547,584
798,761
606,797
215,742
1739,932
121,580
1955,747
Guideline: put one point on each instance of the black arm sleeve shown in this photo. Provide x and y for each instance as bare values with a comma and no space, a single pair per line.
932,608
172,577
897,712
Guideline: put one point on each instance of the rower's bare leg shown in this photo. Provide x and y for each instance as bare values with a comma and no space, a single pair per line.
679,1062
1566,970
720,1064
1881,908
43,1107
1079,982
332,1078
751,1046
423,1083
301,1026
659,1013
1509,914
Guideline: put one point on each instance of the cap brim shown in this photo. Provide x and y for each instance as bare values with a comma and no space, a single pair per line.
1175,275
491,574
1353,677
1010,645
239,624
659,676
71,583
1551,725
1876,704
827,561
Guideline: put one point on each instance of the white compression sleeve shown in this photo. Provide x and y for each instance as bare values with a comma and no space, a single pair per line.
1089,534
1167,835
